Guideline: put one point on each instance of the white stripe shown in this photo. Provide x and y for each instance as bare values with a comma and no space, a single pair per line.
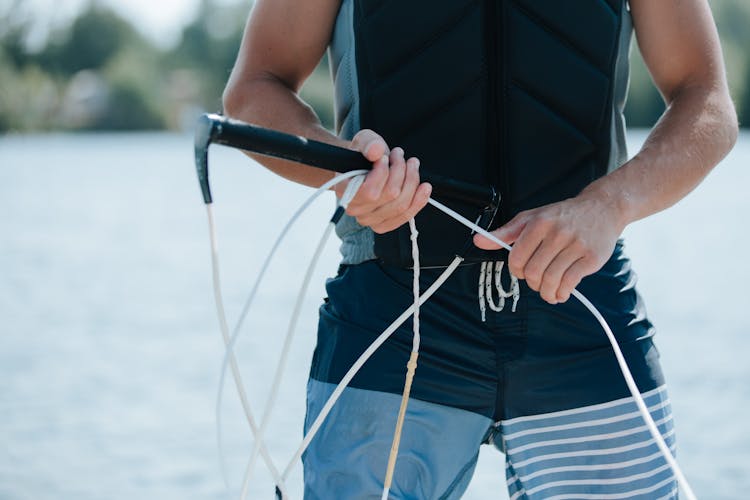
576,425
586,439
582,468
584,409
629,494
669,496
586,453
621,362
585,482
517,494
511,480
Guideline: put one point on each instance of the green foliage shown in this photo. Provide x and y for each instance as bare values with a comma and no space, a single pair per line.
128,110
743,109
92,40
26,97
318,93
208,48
100,73
135,92
645,105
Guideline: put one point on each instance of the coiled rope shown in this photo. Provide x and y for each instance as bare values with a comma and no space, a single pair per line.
258,432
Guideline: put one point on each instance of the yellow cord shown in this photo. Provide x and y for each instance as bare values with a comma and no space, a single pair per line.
411,367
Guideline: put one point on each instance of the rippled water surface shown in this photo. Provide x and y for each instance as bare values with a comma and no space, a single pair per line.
110,350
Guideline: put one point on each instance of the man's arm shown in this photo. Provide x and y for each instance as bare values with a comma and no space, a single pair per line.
555,246
283,42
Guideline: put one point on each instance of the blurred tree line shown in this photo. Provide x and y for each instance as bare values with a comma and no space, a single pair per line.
100,73
733,20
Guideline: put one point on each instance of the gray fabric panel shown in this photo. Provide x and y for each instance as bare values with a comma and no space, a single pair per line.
357,242
344,72
619,149
348,457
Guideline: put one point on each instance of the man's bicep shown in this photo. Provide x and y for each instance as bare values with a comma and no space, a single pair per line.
679,43
285,39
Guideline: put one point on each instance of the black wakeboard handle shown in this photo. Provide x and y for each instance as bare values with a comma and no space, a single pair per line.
218,129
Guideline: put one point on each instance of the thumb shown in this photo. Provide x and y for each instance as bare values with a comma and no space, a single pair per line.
508,233
370,144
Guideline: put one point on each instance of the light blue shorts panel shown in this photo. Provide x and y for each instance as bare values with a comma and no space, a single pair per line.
598,452
347,458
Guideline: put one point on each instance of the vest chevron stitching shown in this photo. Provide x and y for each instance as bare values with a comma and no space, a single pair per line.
357,242
392,69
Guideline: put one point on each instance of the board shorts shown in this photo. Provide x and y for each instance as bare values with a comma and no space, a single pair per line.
538,381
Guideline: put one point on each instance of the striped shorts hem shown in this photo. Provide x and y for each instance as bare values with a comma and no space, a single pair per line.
603,451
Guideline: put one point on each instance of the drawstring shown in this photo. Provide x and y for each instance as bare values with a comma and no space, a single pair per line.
489,272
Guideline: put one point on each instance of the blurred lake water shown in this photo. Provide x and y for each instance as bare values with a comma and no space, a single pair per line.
110,349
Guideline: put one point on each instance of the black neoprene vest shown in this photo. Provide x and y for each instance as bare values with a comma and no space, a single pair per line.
517,94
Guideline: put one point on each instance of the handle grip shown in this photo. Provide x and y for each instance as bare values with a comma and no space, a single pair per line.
234,133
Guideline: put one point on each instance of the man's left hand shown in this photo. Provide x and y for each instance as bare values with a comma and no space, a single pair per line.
557,245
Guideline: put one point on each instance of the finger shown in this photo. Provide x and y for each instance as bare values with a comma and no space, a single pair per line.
399,205
419,201
551,281
551,246
524,246
508,233
370,190
396,176
572,277
410,186
370,144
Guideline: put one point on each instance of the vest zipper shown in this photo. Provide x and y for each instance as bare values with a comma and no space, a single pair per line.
494,37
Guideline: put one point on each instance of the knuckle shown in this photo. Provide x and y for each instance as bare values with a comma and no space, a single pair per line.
543,221
532,281
355,209
569,282
548,296
515,268
382,227
577,245
391,193
423,199
362,136
536,227
533,272
369,195
412,173
564,234
588,255
397,163
403,204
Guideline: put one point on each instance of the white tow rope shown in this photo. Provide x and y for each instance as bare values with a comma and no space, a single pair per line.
349,193
413,310
229,341
681,479
411,365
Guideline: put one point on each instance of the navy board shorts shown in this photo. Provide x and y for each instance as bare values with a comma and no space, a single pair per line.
539,382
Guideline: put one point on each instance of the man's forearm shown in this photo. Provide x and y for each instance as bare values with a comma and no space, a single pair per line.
697,130
268,102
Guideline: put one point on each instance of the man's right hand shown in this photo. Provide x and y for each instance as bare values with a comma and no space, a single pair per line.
391,194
